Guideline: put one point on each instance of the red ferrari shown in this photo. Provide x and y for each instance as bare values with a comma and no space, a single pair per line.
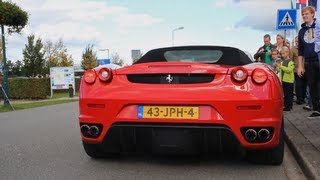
188,99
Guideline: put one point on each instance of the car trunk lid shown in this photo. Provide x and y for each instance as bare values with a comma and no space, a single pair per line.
172,73
173,68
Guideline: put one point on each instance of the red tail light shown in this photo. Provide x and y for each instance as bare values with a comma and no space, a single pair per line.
105,74
90,76
239,74
259,76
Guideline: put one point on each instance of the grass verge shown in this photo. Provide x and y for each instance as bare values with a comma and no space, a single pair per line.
6,108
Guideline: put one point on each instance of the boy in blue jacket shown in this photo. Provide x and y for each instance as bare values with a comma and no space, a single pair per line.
306,50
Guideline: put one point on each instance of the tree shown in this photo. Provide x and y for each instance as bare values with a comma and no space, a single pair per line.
9,67
50,51
1,56
115,59
136,59
56,54
33,57
89,58
65,60
12,16
17,69
15,18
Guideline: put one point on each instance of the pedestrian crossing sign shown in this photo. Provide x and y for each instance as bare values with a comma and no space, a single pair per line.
287,19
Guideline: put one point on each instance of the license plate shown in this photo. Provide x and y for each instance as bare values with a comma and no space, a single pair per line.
171,112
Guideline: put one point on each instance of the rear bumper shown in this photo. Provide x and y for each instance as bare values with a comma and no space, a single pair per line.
170,138
218,113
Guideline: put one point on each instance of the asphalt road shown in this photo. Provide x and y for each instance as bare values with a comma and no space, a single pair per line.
44,143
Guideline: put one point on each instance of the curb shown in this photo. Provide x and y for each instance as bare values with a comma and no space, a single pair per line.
44,100
307,156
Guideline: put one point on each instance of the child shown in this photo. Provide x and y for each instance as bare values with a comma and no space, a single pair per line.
275,59
286,69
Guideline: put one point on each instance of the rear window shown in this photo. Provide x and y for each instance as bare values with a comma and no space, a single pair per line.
204,56
198,54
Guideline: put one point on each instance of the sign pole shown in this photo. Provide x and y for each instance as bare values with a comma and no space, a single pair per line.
5,68
285,35
51,82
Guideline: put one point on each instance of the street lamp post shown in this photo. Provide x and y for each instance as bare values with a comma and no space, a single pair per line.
179,28
105,50
5,69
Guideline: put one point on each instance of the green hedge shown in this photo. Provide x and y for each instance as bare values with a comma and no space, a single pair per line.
29,88
33,88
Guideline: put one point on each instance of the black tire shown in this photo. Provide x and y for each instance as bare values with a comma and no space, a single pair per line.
269,156
96,151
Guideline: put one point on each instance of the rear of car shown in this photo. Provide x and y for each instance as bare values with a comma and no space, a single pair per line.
194,99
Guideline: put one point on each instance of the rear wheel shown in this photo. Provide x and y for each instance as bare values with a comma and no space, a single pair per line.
269,156
96,151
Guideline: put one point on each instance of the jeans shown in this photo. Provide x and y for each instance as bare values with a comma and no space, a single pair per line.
288,95
309,101
312,76
300,87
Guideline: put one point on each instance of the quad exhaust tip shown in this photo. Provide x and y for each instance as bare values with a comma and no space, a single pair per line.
250,135
264,134
90,131
85,129
94,131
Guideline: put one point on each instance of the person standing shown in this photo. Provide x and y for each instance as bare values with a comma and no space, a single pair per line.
286,71
275,56
300,82
307,52
280,42
317,40
264,52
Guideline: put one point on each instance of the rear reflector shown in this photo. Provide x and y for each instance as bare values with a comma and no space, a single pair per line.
96,105
249,107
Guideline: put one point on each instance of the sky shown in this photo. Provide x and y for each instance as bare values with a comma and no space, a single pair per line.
123,25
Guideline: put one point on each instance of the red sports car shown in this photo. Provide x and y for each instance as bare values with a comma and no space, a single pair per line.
188,99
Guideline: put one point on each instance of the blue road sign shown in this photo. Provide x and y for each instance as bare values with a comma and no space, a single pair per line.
287,19
103,61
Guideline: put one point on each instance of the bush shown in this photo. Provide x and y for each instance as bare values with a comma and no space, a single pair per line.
29,88
33,88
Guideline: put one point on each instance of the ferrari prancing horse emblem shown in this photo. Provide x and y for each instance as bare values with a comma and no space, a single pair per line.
169,78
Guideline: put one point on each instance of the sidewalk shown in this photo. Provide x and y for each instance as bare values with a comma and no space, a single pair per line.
13,101
303,138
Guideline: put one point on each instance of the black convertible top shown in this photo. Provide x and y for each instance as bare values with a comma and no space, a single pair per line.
229,56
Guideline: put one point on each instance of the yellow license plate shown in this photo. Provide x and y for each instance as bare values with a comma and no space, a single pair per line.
172,112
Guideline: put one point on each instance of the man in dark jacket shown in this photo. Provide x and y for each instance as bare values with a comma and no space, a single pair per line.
311,62
264,52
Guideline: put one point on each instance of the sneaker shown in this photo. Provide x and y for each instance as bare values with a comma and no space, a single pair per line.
286,109
299,102
314,115
307,107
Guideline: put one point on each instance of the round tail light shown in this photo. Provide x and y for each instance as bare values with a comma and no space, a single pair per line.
259,76
239,74
105,74
90,76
